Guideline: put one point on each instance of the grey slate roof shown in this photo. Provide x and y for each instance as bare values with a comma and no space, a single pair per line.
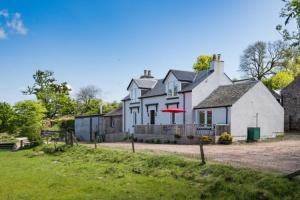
154,87
116,112
226,95
198,79
183,75
144,83
159,89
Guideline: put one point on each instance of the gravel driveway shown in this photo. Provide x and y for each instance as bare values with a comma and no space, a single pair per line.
280,156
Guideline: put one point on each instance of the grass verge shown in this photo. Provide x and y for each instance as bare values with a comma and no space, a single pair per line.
84,173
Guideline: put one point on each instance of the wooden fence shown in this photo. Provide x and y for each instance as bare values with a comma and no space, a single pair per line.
182,129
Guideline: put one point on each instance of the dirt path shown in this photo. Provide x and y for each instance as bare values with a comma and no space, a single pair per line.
281,156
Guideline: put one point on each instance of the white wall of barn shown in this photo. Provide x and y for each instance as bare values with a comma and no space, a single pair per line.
258,100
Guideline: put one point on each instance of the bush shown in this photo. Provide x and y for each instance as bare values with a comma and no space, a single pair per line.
225,138
205,139
5,138
177,136
29,120
158,141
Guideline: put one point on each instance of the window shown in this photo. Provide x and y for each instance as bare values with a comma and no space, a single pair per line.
209,118
134,119
134,95
112,123
205,118
173,88
202,118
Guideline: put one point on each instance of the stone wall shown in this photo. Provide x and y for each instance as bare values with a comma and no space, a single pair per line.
291,104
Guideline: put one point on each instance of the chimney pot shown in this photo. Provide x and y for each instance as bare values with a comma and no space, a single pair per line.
219,57
214,57
145,72
149,72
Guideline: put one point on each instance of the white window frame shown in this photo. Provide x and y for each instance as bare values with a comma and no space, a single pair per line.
205,118
134,118
134,95
170,88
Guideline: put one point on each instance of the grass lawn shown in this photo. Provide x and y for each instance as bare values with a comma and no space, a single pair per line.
83,173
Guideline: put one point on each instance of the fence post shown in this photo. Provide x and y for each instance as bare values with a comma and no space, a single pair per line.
71,138
201,152
95,139
132,143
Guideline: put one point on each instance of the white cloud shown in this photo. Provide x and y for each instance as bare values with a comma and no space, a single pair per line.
2,34
4,13
17,25
11,23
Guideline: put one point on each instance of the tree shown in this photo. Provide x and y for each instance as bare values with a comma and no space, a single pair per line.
55,96
29,119
280,80
202,63
292,62
6,115
291,11
261,60
87,98
110,106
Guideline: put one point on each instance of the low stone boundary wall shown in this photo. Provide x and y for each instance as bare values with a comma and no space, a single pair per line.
116,137
166,139
153,138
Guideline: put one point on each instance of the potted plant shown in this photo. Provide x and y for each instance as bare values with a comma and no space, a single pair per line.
205,139
225,138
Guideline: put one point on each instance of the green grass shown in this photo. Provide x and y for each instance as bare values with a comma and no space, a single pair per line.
83,173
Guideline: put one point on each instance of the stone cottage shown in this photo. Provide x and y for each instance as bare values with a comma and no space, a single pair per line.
291,104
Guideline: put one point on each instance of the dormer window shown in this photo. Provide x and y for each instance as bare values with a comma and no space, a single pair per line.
172,88
134,95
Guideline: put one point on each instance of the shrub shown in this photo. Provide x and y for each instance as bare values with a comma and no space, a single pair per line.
177,136
29,120
5,138
158,141
225,138
205,139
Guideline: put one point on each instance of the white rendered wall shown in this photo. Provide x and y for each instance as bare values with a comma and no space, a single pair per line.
201,91
270,113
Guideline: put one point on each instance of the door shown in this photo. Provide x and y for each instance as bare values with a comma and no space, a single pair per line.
152,116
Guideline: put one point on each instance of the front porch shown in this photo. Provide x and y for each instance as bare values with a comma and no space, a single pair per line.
178,133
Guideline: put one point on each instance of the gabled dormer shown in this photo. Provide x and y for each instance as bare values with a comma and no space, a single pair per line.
137,87
175,80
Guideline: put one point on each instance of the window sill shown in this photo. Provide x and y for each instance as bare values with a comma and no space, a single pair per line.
171,97
133,103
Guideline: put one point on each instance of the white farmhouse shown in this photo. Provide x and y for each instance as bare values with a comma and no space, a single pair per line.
207,99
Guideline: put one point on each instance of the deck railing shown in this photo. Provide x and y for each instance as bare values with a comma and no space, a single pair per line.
182,129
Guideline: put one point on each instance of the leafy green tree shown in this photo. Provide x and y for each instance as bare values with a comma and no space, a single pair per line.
202,63
6,115
261,60
29,119
290,12
55,96
279,80
292,62
110,106
88,100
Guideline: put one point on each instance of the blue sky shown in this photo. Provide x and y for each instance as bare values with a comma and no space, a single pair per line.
106,43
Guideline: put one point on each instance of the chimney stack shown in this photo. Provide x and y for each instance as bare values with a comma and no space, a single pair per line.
147,74
216,64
